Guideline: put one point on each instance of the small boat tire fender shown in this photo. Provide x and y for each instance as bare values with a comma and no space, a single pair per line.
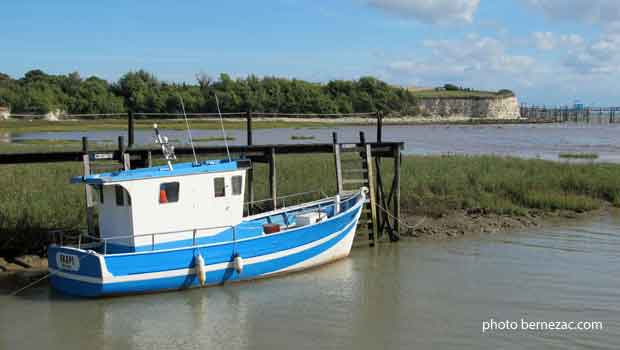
238,263
201,272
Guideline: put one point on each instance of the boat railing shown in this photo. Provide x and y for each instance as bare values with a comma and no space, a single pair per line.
283,199
97,241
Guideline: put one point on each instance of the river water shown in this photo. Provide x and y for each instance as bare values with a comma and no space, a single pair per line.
545,141
410,295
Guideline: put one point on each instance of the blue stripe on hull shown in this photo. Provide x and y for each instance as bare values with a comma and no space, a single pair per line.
136,263
251,271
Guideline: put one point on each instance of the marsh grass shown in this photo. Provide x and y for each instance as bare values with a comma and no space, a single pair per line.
302,137
579,155
213,138
21,126
37,198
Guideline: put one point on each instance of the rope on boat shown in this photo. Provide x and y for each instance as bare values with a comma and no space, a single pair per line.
31,284
405,224
40,279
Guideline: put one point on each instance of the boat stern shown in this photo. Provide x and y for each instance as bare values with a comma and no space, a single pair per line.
75,271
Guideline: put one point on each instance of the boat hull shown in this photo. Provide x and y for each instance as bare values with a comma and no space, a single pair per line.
86,273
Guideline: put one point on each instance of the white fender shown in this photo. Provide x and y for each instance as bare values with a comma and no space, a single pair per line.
238,263
337,205
199,266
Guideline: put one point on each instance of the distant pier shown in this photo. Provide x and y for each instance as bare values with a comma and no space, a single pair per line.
564,114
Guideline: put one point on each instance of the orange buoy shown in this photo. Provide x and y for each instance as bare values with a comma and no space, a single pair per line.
163,198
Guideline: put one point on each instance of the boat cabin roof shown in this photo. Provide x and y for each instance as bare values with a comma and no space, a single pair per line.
179,169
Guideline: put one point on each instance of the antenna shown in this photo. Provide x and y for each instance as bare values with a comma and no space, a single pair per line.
217,103
189,132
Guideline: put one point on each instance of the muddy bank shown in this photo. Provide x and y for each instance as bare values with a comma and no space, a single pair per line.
18,272
474,221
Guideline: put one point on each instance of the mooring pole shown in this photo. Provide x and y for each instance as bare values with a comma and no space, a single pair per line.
130,129
272,177
397,165
90,206
338,163
248,127
379,127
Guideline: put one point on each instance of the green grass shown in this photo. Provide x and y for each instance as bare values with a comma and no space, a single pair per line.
37,198
431,93
579,155
21,126
37,145
302,137
212,138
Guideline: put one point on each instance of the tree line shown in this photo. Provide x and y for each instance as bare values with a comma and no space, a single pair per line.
140,91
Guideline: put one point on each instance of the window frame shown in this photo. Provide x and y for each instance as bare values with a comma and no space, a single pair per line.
216,193
239,187
164,186
119,193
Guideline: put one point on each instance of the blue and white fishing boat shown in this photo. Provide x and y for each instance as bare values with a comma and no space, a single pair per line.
182,225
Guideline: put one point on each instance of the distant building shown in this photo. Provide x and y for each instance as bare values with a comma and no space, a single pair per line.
579,105
5,112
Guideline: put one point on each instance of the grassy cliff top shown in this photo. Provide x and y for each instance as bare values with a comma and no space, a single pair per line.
442,93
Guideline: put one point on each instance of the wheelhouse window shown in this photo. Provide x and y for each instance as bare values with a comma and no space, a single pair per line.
219,187
237,184
169,192
120,200
99,191
122,196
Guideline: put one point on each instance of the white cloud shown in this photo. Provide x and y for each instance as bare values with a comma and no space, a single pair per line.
603,12
473,61
546,41
430,11
599,57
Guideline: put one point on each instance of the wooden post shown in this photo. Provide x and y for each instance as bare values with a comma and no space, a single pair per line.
130,129
126,161
396,205
84,144
121,145
338,163
250,173
379,127
272,177
90,205
248,127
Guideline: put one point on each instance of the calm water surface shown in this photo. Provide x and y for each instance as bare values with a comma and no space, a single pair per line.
411,295
530,141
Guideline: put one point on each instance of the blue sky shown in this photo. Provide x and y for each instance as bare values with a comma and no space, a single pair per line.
548,51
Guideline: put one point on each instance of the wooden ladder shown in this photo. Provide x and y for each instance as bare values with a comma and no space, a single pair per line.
354,169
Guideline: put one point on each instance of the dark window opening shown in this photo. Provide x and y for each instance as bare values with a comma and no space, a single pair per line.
219,187
120,201
237,184
99,190
169,192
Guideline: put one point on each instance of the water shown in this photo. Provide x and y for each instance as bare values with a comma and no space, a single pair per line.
411,295
545,141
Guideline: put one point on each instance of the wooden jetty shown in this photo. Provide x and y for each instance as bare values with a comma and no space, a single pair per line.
564,114
383,207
